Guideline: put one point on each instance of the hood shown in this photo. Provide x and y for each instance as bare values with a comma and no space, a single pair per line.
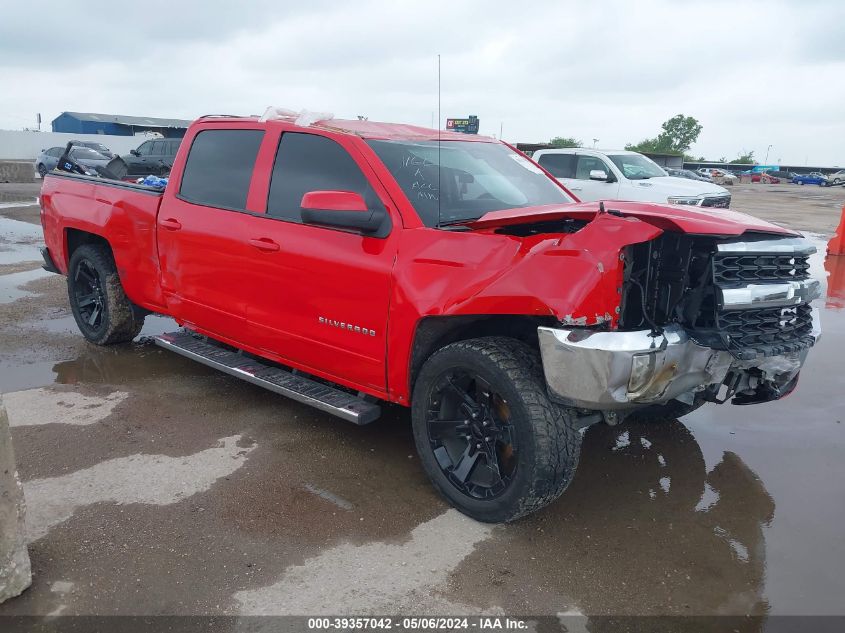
674,186
669,217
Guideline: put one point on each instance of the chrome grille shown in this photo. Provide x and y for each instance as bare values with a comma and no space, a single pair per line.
773,272
767,331
738,269
716,202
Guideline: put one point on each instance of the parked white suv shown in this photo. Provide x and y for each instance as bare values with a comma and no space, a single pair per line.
593,174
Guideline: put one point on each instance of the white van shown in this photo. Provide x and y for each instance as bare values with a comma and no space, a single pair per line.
593,174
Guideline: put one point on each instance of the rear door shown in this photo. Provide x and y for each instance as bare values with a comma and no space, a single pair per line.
320,295
202,238
562,167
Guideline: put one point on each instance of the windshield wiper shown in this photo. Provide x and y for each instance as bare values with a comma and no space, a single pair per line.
456,222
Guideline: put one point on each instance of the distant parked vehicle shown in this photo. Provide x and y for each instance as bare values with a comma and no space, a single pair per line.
765,178
837,178
152,157
97,147
815,178
783,175
594,174
687,173
723,177
85,156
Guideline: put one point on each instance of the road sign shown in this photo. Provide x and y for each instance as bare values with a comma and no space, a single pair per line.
465,126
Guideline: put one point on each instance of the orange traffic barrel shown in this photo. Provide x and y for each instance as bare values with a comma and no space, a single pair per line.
836,246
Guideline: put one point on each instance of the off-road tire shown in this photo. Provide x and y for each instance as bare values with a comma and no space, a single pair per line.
549,444
672,410
121,320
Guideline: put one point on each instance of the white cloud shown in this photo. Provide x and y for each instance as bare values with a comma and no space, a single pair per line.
754,73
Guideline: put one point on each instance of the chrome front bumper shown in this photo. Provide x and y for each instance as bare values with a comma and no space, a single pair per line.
623,370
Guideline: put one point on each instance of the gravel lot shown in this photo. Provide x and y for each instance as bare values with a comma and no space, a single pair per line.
157,486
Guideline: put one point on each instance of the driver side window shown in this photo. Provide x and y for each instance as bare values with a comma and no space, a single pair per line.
588,163
144,148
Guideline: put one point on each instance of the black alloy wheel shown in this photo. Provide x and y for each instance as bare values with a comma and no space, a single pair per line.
89,293
471,435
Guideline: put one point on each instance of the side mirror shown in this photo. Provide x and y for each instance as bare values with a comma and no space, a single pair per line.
599,174
134,152
341,209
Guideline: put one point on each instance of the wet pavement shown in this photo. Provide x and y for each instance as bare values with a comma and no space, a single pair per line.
158,486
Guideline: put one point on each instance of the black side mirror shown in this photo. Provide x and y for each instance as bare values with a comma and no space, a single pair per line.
134,152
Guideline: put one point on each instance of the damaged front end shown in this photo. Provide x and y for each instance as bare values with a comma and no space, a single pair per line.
702,318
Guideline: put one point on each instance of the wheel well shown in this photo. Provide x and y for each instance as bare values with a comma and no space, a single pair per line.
74,238
436,332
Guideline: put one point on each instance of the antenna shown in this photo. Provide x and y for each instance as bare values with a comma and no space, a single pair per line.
439,188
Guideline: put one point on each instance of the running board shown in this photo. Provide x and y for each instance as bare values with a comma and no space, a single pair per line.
295,386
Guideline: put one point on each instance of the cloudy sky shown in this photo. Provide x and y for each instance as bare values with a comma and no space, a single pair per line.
753,73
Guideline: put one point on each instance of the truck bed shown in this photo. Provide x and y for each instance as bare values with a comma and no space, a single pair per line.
74,207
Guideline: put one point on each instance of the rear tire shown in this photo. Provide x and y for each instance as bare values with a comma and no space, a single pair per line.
42,170
488,437
102,311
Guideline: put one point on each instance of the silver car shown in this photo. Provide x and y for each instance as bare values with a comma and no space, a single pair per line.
85,156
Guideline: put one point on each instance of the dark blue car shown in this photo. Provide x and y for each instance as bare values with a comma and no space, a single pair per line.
809,179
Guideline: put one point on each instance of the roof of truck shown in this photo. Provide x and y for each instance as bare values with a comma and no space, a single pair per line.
375,129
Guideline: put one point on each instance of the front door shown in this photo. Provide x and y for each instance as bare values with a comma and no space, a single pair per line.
321,295
587,189
203,247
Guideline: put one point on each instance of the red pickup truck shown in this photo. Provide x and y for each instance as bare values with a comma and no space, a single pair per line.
345,263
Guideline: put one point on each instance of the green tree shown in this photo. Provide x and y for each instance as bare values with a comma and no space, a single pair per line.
678,134
565,141
745,159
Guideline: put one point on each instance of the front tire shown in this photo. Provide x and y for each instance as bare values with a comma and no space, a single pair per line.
488,437
42,170
102,311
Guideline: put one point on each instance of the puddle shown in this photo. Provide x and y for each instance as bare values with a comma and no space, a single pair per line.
19,241
25,203
153,324
10,285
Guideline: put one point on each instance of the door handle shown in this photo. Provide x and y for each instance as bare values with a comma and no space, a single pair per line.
264,244
170,224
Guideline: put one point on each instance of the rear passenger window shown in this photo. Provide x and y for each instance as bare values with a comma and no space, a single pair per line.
559,165
307,162
219,168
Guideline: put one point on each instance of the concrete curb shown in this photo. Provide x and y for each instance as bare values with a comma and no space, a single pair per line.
15,571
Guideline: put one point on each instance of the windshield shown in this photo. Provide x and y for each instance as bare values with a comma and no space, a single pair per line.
85,152
475,178
636,166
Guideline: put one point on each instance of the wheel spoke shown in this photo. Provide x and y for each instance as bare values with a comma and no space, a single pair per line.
94,314
461,393
87,300
447,428
466,464
482,392
88,277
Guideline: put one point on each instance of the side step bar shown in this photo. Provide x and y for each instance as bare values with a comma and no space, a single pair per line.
295,386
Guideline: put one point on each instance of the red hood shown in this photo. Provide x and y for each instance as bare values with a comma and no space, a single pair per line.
669,217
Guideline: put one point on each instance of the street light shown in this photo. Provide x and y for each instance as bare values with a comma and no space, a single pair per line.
595,140
766,162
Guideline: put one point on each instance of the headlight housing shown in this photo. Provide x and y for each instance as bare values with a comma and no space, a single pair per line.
690,200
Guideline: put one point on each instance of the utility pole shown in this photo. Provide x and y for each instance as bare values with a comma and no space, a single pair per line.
766,161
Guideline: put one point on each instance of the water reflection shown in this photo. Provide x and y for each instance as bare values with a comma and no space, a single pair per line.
643,529
835,267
